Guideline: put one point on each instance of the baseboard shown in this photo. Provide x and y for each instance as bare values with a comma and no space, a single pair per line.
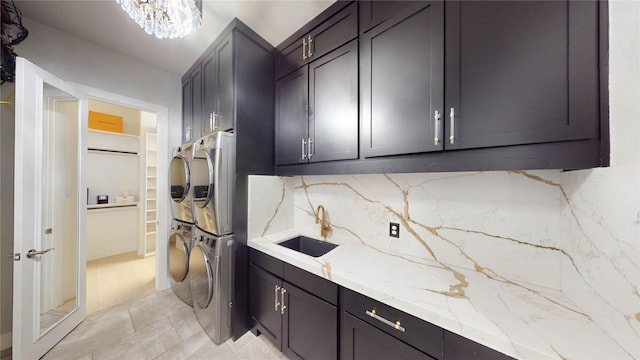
5,341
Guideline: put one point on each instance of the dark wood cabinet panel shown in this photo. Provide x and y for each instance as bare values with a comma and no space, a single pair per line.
317,110
264,290
292,125
293,313
192,104
336,30
520,72
187,118
310,326
374,12
225,92
361,341
418,333
457,347
333,105
401,83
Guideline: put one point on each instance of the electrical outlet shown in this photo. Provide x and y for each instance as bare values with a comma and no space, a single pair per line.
394,230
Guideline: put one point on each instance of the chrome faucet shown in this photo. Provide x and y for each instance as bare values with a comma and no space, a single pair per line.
324,225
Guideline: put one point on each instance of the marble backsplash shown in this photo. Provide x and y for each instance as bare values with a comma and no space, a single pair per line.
533,230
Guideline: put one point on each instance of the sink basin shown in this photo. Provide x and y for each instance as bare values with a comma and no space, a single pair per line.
309,246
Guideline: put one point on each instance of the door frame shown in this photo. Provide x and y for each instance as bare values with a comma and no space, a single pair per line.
162,195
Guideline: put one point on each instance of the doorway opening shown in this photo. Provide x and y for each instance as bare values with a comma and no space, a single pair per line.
121,174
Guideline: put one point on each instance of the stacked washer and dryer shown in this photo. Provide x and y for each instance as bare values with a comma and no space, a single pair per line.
205,267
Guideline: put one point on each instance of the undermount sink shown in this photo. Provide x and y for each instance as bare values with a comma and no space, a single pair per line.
309,246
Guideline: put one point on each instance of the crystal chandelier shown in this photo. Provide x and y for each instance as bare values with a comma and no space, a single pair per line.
165,18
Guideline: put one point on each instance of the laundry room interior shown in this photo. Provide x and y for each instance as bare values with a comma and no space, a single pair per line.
121,203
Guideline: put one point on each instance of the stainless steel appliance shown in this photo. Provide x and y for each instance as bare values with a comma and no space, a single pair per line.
211,282
181,241
212,257
212,182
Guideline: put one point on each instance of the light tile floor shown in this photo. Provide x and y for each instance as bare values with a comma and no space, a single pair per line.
157,326
118,278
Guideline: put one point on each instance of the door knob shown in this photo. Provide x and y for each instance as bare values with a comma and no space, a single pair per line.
33,252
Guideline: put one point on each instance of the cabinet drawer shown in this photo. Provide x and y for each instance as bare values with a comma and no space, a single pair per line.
320,287
266,262
330,34
418,333
458,347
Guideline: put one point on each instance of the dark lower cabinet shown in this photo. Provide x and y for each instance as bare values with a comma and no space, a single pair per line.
457,347
309,326
293,317
305,315
361,341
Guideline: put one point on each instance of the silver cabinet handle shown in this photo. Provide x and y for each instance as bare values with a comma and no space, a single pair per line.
304,50
212,120
309,43
33,252
275,300
283,307
436,121
452,117
395,325
309,149
304,150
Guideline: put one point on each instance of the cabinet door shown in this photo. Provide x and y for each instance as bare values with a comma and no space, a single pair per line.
226,100
337,30
402,65
265,306
309,326
372,13
333,105
187,117
520,72
218,97
196,103
361,341
292,122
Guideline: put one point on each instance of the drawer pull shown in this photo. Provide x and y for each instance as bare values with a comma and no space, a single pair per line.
395,325
283,291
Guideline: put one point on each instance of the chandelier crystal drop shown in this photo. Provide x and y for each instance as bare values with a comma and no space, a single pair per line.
165,18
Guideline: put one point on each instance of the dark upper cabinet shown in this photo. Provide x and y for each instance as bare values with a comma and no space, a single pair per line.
372,13
402,82
217,88
521,72
192,104
298,314
317,109
292,121
310,44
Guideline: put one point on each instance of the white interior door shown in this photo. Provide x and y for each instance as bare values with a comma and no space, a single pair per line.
49,297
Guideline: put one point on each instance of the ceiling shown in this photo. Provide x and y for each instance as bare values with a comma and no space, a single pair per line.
104,23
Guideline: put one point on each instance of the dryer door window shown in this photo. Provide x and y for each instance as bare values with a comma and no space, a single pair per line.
179,178
202,177
178,257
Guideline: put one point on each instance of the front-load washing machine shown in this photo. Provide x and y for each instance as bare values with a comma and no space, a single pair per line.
180,243
180,183
211,283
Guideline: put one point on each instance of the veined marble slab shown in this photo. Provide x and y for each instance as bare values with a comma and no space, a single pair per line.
524,321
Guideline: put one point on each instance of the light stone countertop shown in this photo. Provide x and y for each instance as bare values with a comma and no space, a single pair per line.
519,319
